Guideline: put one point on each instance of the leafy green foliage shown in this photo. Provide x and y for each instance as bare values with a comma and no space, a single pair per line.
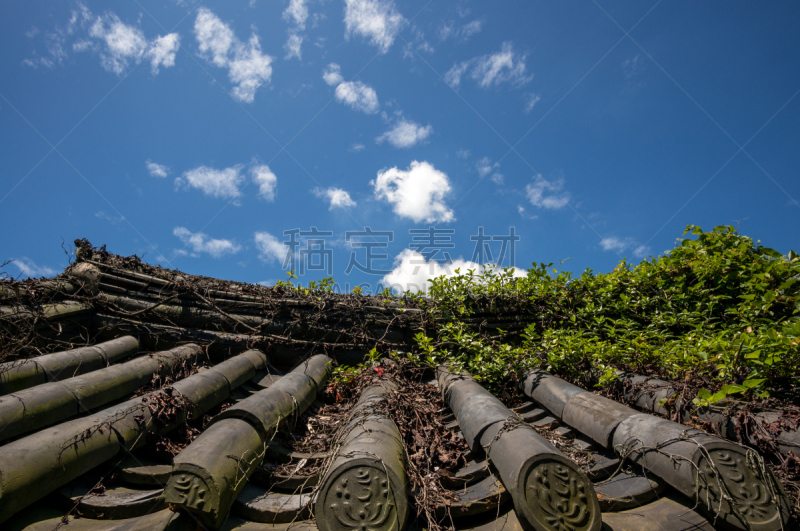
326,285
492,363
346,373
718,306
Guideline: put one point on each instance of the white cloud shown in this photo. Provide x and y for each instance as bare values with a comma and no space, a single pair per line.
201,243
356,148
123,43
463,33
453,76
82,45
332,74
530,101
293,46
111,219
248,68
226,183
56,40
619,245
214,37
463,154
614,244
28,268
355,94
376,20
446,31
491,69
157,170
270,249
126,44
547,194
337,197
162,51
485,166
217,183
632,66
417,193
470,29
266,181
359,96
296,13
405,134
411,271
418,43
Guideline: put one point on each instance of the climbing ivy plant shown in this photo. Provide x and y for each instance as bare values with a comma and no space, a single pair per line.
719,307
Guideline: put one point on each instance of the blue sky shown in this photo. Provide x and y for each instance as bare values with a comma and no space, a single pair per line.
197,133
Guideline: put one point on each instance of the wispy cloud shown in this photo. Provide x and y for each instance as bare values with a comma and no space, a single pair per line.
505,66
613,243
619,245
296,14
470,29
632,66
30,269
118,44
530,102
111,219
248,68
417,44
547,194
202,243
376,20
405,134
157,170
293,47
485,166
451,30
417,193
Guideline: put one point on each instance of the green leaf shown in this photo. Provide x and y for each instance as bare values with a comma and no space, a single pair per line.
732,389
704,394
753,382
716,397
